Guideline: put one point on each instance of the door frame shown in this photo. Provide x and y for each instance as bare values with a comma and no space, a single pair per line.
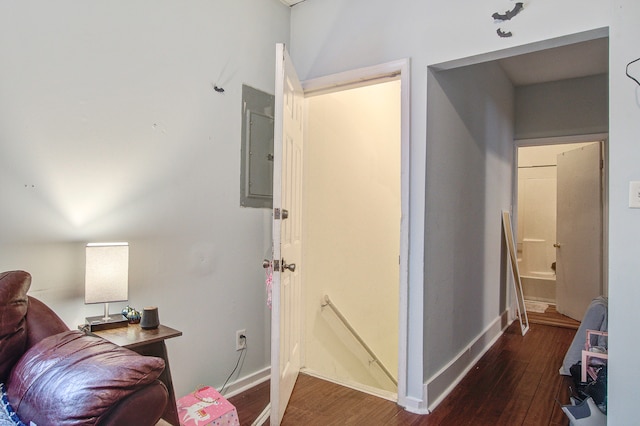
561,140
396,70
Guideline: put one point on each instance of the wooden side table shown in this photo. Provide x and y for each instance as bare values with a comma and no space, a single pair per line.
149,343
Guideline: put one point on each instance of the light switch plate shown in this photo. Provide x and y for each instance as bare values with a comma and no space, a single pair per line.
634,194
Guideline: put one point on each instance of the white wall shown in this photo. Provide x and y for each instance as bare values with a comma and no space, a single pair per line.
330,36
110,130
624,223
352,231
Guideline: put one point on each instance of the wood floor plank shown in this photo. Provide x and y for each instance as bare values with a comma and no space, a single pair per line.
552,317
517,406
250,403
515,383
547,396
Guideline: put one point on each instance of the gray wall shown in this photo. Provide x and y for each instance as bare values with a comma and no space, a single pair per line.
469,176
563,108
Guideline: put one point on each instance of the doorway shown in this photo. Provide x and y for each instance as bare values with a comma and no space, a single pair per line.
352,214
288,340
547,211
477,109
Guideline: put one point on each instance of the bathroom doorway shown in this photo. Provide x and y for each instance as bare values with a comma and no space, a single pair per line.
552,270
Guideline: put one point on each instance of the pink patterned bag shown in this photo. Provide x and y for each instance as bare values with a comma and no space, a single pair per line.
206,407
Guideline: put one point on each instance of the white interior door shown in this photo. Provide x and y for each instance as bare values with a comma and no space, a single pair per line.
286,328
579,230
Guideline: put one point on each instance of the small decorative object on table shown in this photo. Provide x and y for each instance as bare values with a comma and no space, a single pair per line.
150,318
132,315
206,407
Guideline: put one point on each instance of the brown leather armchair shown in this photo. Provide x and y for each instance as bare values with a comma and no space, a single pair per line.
56,376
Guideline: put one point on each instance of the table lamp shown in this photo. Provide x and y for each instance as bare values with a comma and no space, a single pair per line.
106,280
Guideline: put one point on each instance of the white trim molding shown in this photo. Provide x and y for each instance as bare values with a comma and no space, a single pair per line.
248,382
409,362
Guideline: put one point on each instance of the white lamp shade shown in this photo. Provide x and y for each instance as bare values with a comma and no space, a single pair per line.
107,273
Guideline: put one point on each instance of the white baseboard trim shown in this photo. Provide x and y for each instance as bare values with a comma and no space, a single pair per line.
415,406
263,375
438,386
445,380
247,382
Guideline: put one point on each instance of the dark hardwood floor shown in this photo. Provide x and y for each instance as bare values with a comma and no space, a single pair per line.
552,317
515,383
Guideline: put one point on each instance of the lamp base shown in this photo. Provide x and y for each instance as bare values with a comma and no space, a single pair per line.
101,323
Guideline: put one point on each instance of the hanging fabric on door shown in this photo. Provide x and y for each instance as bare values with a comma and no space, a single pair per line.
269,283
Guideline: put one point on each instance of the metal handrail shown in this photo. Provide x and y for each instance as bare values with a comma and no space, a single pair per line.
327,302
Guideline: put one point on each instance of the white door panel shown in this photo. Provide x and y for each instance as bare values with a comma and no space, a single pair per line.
286,325
579,239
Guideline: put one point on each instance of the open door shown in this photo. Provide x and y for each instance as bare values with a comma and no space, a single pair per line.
579,234
286,327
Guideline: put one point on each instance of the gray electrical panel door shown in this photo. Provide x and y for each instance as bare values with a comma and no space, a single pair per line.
256,179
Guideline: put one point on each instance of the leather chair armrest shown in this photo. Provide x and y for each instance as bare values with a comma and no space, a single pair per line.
42,322
73,379
144,407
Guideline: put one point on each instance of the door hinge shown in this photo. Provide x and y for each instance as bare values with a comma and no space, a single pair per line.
278,215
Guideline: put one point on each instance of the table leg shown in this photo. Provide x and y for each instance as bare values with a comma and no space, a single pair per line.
159,349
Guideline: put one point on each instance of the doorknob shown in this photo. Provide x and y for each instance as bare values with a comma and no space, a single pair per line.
266,263
291,267
556,245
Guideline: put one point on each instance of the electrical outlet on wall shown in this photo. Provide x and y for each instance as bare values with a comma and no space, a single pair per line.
241,339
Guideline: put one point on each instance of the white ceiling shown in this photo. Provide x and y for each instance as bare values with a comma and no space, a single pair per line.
560,63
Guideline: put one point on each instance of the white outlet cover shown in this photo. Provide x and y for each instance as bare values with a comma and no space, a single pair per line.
634,194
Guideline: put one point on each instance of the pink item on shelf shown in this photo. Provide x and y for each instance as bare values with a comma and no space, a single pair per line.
206,407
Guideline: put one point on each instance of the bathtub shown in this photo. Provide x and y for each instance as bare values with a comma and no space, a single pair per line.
539,286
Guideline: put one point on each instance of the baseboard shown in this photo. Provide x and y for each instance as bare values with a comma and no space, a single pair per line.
415,406
435,389
248,382
445,380
252,380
